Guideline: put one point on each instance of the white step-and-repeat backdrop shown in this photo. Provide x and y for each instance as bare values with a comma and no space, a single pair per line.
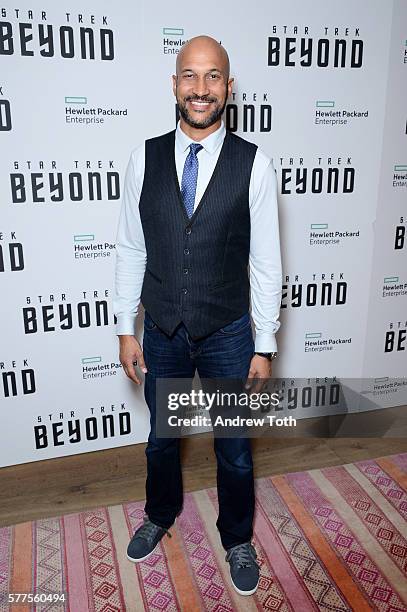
320,86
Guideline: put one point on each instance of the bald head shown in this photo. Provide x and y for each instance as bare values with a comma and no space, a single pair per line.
207,48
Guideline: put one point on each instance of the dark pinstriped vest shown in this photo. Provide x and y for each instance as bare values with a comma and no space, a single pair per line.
197,268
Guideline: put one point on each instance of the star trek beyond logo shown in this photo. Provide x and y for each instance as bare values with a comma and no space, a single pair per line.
400,238
321,290
5,113
11,253
324,175
65,428
304,47
303,394
46,182
17,378
59,312
30,33
249,112
395,337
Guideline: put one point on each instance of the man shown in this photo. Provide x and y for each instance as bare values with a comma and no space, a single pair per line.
199,207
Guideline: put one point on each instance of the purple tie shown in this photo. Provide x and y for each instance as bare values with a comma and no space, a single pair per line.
189,178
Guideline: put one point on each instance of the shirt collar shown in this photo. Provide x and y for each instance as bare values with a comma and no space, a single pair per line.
210,143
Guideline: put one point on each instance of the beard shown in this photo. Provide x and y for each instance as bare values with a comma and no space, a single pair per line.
214,116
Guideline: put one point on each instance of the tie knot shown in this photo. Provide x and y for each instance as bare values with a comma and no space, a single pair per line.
195,148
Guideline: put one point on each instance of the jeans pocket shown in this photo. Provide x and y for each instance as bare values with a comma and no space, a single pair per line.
149,324
237,326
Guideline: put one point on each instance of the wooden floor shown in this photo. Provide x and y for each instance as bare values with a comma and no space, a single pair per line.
68,484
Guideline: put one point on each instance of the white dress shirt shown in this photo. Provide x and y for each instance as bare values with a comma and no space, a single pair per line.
265,271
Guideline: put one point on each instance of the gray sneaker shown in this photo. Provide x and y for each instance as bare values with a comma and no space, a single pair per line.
244,570
144,540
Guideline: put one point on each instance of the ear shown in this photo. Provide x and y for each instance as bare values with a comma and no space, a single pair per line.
174,84
230,86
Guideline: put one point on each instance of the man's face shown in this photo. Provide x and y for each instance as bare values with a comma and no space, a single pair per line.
201,87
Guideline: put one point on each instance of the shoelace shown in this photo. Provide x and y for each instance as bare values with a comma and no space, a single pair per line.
242,555
149,530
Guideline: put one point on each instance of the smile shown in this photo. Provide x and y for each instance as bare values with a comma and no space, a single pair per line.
200,105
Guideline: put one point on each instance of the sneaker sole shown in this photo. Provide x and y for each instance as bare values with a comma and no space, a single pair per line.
133,560
245,592
142,558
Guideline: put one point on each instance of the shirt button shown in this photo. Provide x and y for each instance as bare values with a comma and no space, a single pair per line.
185,290
185,270
188,230
186,251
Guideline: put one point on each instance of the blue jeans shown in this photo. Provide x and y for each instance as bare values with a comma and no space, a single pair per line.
225,353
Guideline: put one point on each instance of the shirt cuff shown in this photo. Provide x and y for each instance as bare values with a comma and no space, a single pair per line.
126,325
265,342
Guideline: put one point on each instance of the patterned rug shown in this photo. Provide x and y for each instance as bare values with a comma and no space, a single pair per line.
330,539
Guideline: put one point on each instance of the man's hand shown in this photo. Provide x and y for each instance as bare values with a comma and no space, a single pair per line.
260,369
130,352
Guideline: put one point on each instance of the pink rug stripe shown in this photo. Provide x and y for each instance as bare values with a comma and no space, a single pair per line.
278,559
76,583
102,568
6,535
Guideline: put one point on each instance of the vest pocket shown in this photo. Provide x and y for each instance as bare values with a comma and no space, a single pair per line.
222,284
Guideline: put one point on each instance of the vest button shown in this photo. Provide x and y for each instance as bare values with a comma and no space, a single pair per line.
188,230
186,270
186,251
185,290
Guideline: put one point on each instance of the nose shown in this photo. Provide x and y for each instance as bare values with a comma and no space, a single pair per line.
201,86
